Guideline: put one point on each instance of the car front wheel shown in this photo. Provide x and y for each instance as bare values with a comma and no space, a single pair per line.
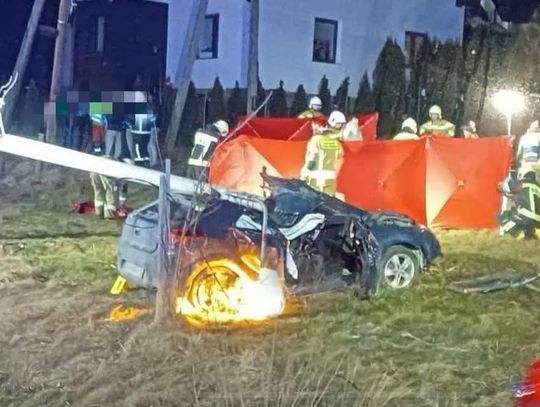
399,267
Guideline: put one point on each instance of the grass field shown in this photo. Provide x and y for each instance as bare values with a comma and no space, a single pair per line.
424,346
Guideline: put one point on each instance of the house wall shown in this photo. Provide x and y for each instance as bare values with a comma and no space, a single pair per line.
231,48
287,27
286,37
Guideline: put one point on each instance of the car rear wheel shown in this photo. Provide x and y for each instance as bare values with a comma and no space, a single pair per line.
399,267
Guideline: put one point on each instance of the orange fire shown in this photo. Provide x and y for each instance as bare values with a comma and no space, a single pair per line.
119,313
224,291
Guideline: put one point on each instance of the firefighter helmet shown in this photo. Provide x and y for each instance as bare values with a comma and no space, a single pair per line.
435,110
315,103
336,117
411,124
223,127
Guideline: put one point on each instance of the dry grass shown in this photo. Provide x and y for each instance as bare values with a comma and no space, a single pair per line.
425,346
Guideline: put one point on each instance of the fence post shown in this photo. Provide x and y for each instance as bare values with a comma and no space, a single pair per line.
166,287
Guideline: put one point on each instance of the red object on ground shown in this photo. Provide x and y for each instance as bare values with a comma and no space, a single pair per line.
83,207
449,183
529,391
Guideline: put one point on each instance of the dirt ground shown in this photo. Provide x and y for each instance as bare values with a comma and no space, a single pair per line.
424,346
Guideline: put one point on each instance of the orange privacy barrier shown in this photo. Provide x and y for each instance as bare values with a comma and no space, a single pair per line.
368,125
238,163
385,174
462,181
276,128
286,128
441,182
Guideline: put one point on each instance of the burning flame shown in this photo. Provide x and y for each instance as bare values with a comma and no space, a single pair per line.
119,313
224,291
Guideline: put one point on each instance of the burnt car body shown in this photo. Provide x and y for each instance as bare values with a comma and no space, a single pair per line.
405,247
326,243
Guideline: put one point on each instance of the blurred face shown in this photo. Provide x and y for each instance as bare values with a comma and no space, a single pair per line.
338,126
467,133
435,117
316,107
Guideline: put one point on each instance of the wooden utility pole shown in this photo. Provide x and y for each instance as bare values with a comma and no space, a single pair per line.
56,80
185,66
253,57
23,58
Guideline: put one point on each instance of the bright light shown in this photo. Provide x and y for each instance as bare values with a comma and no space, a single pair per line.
509,102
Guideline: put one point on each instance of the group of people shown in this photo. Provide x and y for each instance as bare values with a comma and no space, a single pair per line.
124,134
436,125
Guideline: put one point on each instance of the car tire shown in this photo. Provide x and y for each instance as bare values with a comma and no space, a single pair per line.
399,266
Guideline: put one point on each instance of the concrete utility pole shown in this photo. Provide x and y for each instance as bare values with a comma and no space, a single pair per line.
23,58
185,66
56,81
253,61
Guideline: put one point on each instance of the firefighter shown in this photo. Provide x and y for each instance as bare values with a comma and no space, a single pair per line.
314,109
525,216
437,125
409,130
141,133
104,199
529,146
205,142
323,155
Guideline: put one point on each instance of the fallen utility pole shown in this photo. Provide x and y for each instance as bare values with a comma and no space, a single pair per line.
253,57
63,15
23,58
183,72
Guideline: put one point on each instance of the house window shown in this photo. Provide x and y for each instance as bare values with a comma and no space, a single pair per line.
325,40
208,46
100,34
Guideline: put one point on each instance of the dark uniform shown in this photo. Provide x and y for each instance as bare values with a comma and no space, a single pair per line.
141,137
525,217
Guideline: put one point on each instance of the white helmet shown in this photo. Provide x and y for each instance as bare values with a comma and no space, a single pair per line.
315,103
534,127
411,124
223,127
435,110
335,118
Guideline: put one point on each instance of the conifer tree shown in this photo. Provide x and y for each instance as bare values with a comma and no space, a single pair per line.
300,102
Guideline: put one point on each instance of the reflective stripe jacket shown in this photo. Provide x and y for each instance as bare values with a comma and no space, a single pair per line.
310,114
322,155
442,127
528,201
204,145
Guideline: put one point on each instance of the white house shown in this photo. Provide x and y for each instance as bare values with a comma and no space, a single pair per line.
299,40
302,40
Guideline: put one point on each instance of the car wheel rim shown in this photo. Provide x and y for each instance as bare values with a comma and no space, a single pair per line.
399,271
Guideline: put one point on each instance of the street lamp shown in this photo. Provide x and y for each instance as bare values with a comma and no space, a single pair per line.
509,102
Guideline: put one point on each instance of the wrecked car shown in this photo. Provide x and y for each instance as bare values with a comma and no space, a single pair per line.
406,248
232,231
324,243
